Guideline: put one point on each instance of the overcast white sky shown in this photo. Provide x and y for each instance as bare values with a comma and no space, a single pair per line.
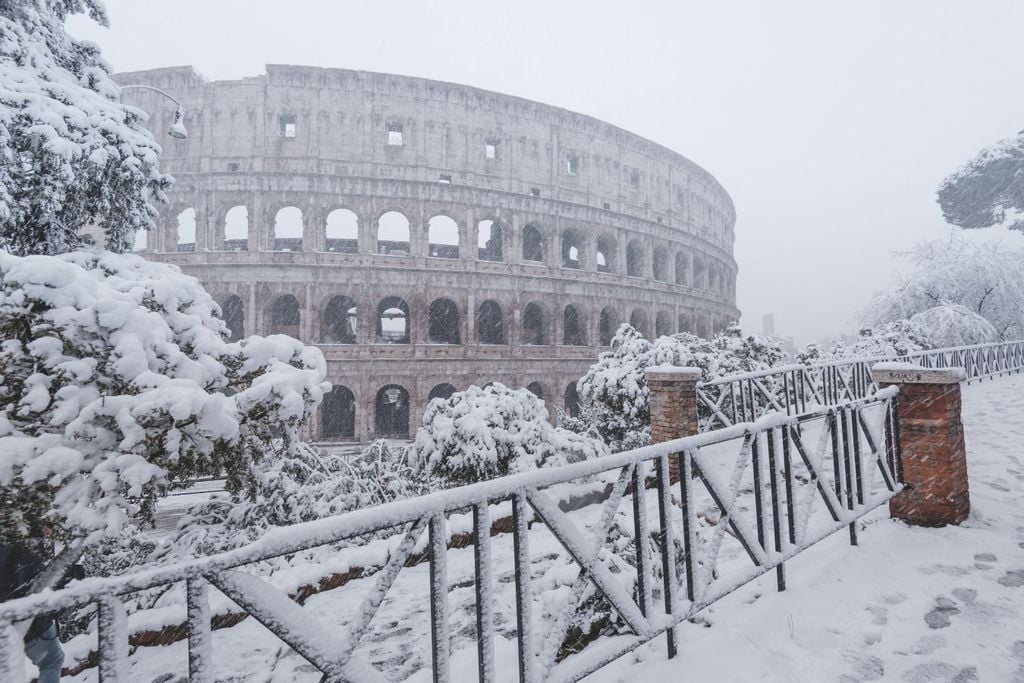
829,123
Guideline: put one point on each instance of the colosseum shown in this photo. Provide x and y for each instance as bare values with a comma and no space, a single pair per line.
428,236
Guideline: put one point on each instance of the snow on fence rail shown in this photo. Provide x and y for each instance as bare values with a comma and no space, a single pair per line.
795,389
749,497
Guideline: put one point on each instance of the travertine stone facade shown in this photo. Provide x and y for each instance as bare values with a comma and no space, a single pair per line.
592,224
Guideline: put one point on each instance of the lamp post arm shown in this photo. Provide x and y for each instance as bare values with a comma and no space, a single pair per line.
149,87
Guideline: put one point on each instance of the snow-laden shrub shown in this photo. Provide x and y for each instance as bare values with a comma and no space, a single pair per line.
71,153
480,434
887,340
988,190
614,399
951,324
986,278
117,379
299,487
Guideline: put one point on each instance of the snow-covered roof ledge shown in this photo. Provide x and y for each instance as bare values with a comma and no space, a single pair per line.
892,372
673,373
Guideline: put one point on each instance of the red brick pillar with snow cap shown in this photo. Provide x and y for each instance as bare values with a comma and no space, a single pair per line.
932,445
673,405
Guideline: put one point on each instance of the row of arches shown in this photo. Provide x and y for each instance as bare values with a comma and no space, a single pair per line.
391,409
575,248
339,322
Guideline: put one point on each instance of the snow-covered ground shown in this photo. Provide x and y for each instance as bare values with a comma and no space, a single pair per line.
908,604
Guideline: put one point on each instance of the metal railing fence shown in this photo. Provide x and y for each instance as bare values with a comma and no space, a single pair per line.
796,389
747,499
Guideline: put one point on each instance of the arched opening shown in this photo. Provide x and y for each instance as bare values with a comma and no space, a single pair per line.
141,242
638,320
393,321
443,322
441,391
236,229
605,254
186,230
682,269
490,323
684,323
288,229
338,322
488,241
234,316
660,265
391,412
533,244
608,324
338,414
534,332
443,237
537,389
342,231
393,234
699,274
572,400
634,259
574,329
572,255
285,316
662,324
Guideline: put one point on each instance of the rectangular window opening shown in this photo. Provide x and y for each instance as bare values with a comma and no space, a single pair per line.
445,178
395,138
535,191
572,164
491,150
287,122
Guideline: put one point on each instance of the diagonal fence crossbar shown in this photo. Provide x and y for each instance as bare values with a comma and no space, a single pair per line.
797,389
748,499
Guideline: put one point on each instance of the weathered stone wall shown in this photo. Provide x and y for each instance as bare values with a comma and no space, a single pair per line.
664,225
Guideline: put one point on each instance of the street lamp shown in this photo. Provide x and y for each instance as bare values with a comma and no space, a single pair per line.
177,129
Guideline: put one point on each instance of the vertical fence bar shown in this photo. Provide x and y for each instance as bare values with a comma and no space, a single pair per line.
200,647
858,468
112,632
755,461
894,407
847,470
686,501
773,482
520,539
668,546
787,464
641,536
439,599
484,591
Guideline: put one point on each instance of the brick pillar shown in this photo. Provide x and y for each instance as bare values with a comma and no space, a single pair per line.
931,443
673,405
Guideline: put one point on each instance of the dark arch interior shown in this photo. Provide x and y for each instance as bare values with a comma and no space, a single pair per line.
490,323
489,241
662,325
571,251
634,259
338,414
443,322
638,319
573,330
537,389
234,316
533,325
338,324
391,412
605,254
533,244
608,325
660,265
442,391
284,316
572,400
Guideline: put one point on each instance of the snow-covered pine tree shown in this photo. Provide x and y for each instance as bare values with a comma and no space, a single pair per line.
480,434
989,189
116,381
986,278
71,155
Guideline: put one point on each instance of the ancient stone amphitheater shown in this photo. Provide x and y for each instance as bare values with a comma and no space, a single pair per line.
428,236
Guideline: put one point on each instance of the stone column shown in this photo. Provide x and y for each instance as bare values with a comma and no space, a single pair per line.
931,439
673,405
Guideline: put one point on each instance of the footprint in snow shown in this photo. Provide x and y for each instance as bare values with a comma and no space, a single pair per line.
940,614
1012,579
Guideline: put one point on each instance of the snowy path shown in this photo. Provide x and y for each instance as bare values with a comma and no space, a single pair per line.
909,604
